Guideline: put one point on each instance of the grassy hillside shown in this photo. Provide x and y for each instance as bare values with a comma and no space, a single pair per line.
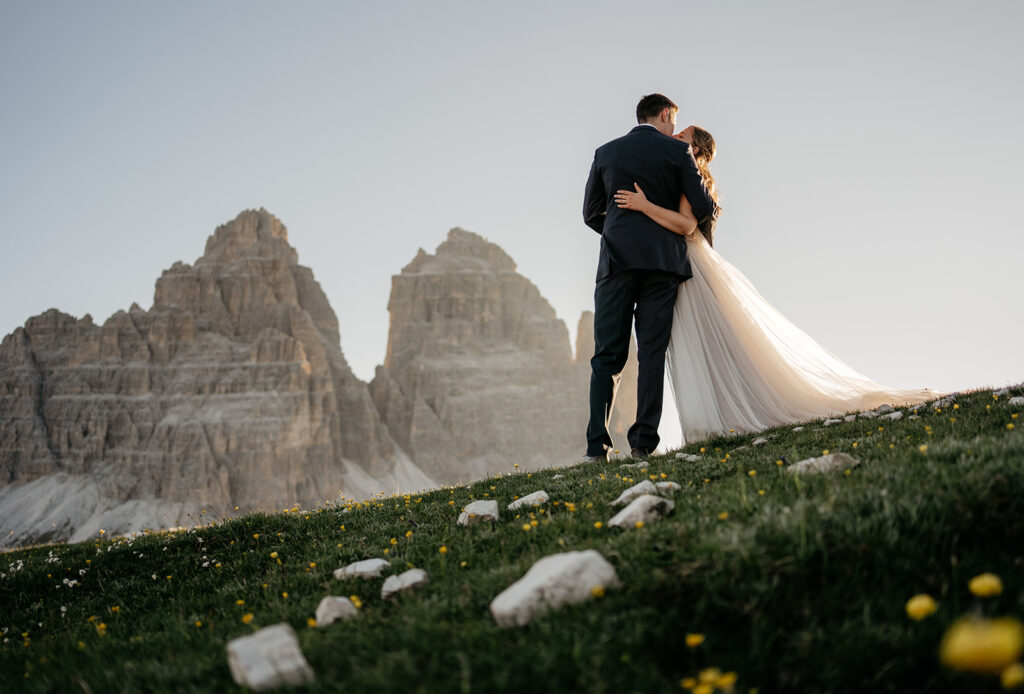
797,584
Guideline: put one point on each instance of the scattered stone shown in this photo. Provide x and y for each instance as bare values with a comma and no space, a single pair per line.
1001,392
403,581
268,658
668,487
535,499
617,455
477,511
867,415
759,441
849,418
894,416
798,429
825,463
645,487
1017,401
944,402
688,457
830,422
738,448
913,416
557,477
634,466
645,508
367,568
884,409
555,580
333,608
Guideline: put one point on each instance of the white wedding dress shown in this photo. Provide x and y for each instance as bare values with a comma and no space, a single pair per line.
735,363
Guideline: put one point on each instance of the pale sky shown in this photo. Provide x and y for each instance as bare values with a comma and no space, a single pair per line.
870,153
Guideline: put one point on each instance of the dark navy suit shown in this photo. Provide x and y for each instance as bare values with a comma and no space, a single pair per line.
638,273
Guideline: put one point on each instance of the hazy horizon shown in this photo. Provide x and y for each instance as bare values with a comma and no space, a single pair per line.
869,155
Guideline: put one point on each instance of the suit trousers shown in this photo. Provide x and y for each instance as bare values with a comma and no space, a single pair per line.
648,296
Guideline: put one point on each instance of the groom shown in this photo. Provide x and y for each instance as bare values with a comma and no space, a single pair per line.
640,267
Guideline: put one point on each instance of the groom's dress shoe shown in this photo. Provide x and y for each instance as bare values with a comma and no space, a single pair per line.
639,453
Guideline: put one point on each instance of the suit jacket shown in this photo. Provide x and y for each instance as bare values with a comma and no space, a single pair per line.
665,170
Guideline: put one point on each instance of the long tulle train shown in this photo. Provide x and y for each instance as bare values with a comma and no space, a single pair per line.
736,363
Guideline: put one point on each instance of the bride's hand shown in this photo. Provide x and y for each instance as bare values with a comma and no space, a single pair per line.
628,200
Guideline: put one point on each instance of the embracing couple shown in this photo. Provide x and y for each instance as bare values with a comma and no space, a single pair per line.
735,364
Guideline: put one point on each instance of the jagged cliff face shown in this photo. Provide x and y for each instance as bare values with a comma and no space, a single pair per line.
479,372
230,390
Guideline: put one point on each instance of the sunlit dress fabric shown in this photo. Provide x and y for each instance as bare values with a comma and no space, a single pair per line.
736,364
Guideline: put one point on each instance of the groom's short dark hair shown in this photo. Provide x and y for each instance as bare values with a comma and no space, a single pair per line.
651,105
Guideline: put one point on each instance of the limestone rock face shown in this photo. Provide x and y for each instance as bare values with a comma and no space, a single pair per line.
231,390
479,373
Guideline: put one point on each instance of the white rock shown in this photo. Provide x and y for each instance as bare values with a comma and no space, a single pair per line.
403,581
668,487
645,487
367,568
535,499
883,409
825,463
633,466
268,658
893,416
555,580
481,510
849,418
759,441
644,508
867,415
1016,400
798,428
830,422
557,477
944,402
617,455
333,608
688,457
1001,392
913,416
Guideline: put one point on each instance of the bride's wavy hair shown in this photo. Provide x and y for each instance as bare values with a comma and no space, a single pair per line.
705,145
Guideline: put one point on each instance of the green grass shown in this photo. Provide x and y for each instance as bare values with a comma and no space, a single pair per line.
801,589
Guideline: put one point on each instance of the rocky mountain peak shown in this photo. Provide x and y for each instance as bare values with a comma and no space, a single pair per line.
462,251
252,233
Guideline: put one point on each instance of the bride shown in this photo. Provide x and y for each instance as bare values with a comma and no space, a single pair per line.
734,362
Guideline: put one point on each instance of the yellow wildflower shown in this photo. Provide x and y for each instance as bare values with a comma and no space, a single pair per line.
639,524
985,585
723,515
726,680
1013,676
597,591
247,618
598,525
709,675
310,622
694,640
920,606
982,645
527,527
752,473
443,549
